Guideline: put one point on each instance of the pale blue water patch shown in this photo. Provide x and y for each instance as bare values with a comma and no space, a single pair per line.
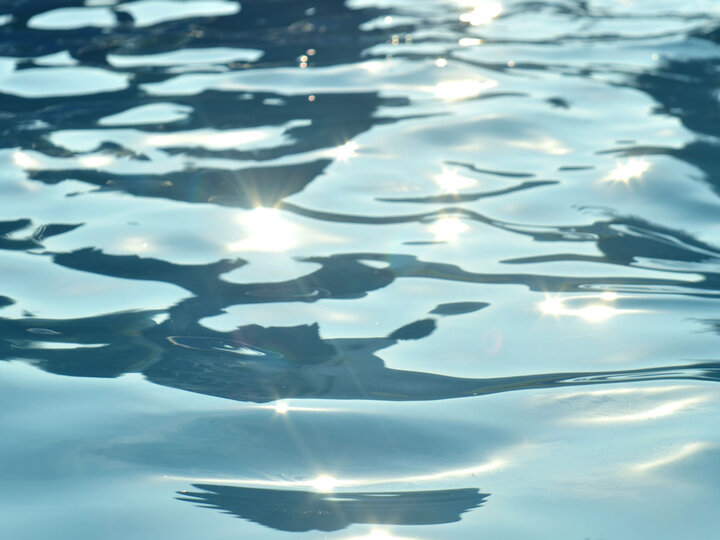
69,18
219,55
151,12
373,269
60,81
154,113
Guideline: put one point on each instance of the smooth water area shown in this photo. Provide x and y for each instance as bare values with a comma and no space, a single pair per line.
373,269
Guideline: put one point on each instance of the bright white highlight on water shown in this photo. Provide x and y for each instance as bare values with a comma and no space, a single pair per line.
447,229
469,42
552,305
135,244
24,161
215,140
462,89
153,113
546,145
345,151
281,407
613,392
483,13
379,534
95,162
450,181
328,483
624,172
685,451
324,483
373,66
661,411
594,313
266,230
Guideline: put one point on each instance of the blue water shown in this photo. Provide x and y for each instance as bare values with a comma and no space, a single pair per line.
373,269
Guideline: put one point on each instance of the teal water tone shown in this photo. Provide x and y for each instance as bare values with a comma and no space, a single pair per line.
359,270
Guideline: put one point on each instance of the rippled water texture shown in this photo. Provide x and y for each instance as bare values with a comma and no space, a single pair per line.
373,269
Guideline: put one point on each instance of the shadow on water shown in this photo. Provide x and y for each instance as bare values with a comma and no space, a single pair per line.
301,511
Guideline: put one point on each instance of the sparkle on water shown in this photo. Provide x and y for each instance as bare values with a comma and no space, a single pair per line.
345,151
324,482
380,534
462,89
483,13
591,312
447,229
626,171
264,229
451,181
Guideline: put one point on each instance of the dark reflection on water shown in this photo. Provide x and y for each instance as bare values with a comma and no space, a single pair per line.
259,364
28,241
301,511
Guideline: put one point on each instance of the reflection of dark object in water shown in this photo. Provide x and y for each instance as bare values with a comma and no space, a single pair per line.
288,294
31,241
468,197
416,330
301,511
302,363
221,345
247,188
458,308
350,369
291,362
473,168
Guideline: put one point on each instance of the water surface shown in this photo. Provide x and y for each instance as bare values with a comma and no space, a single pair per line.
373,269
